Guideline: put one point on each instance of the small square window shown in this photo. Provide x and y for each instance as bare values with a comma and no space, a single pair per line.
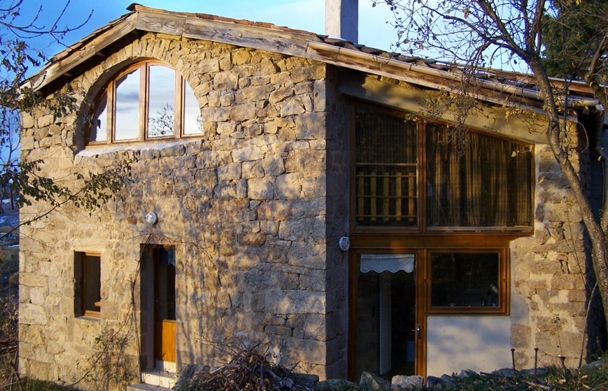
87,275
465,280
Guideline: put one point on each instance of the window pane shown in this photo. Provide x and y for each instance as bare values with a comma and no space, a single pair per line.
99,122
386,314
478,181
161,102
193,123
91,283
464,280
127,106
386,169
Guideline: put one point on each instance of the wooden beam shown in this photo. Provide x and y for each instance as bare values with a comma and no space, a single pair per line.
68,60
413,100
290,43
399,70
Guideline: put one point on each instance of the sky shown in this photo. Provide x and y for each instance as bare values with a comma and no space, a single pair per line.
374,29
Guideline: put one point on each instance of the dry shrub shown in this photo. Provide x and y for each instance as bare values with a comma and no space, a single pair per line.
248,370
8,342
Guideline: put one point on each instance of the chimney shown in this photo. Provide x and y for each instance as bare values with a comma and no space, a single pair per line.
342,19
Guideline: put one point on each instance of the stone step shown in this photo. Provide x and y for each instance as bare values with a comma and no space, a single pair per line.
146,387
159,378
155,380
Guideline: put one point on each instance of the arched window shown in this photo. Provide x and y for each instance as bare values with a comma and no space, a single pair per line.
146,101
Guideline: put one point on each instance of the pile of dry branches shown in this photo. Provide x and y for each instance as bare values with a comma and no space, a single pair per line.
8,325
248,370
8,341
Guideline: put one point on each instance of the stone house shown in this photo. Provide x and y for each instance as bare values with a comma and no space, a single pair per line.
294,190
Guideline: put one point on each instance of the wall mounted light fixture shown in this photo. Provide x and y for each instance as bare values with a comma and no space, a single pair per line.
151,218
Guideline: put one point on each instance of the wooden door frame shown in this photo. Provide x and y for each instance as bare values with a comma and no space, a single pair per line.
420,283
148,266
422,245
162,327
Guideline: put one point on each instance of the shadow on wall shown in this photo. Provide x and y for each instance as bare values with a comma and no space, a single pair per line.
241,264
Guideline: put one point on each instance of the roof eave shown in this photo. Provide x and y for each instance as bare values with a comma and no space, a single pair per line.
426,76
80,52
275,39
230,31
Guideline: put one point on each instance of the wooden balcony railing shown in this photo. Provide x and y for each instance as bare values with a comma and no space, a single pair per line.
387,194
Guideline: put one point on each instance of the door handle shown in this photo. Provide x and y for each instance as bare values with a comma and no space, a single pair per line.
417,331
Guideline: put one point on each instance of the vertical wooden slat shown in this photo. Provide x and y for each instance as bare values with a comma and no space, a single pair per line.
454,186
398,196
373,195
360,195
411,201
385,196
502,190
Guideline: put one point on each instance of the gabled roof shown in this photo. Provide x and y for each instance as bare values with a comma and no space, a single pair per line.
265,36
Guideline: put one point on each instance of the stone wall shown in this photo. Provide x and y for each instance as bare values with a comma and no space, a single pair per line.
245,206
548,270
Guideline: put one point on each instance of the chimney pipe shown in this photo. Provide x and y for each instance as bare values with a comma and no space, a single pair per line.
342,19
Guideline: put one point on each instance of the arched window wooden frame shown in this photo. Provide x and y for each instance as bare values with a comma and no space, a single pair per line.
151,82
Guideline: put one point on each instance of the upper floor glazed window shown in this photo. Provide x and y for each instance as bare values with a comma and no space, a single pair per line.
146,101
412,173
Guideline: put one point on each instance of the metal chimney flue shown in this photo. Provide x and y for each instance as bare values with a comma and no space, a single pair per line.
342,19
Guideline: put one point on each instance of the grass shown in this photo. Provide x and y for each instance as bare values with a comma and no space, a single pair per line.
550,378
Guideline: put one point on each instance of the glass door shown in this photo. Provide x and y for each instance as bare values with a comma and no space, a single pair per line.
386,326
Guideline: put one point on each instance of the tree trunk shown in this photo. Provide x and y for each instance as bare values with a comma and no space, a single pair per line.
598,238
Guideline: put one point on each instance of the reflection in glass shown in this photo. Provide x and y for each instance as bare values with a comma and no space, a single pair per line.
161,102
145,102
386,314
127,106
192,113
99,122
464,280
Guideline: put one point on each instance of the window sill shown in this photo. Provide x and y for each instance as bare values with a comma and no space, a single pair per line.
99,149
96,316
92,314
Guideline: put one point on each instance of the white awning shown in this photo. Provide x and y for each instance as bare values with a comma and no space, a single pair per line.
387,262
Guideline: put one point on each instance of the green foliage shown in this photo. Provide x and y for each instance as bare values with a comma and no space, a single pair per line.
574,33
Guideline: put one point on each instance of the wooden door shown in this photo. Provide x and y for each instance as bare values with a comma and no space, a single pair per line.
165,340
